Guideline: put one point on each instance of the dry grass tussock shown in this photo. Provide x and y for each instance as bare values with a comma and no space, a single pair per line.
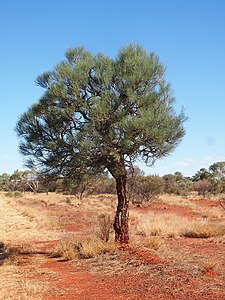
171,225
105,223
154,243
211,212
204,229
87,248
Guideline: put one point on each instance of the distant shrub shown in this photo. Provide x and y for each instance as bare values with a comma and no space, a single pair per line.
143,188
17,194
181,187
9,194
103,185
203,187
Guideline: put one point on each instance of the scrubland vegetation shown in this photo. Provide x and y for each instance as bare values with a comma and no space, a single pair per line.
141,187
185,232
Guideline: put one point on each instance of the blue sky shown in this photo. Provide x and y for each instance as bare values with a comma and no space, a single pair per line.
187,35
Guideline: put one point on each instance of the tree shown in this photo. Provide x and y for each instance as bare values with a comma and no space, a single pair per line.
169,180
18,180
32,180
101,113
177,184
178,175
5,183
201,175
24,180
217,171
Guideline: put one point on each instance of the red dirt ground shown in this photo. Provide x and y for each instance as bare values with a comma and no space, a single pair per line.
158,280
166,208
132,273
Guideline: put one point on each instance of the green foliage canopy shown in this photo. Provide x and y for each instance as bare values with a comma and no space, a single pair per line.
101,113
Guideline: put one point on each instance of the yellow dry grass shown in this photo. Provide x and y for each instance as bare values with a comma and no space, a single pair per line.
153,242
87,248
149,230
20,223
172,225
13,287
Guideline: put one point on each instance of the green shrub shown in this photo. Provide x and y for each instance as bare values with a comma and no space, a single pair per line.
17,194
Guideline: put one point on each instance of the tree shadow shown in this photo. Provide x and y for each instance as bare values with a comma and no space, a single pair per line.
7,252
3,253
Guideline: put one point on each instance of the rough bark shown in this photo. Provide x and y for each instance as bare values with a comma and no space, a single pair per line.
121,226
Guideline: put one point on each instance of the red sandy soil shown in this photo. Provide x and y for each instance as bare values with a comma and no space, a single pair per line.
158,279
131,273
167,208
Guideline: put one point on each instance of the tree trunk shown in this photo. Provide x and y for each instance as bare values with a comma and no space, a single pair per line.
121,218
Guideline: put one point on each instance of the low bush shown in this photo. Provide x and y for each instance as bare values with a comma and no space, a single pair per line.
144,188
17,194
